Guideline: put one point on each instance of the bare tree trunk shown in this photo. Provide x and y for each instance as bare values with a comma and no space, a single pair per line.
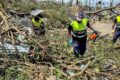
77,2
86,4
89,5
62,2
70,2
96,5
101,4
111,3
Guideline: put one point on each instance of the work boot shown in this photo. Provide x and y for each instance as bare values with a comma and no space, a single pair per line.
76,55
81,56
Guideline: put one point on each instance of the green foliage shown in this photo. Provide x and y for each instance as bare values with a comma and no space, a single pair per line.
18,72
22,6
2,3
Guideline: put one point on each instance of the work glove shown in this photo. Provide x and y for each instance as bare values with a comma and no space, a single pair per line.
70,41
113,31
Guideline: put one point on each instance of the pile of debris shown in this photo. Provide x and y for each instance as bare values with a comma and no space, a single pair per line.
48,64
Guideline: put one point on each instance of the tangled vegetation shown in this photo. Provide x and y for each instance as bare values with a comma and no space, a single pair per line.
54,58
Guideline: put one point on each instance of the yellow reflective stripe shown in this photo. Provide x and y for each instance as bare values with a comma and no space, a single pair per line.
37,23
79,26
118,19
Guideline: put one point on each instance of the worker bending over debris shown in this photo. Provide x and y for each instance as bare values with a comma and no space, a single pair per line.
38,24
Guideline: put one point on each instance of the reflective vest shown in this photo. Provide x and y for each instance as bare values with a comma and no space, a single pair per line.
79,26
118,22
35,23
118,19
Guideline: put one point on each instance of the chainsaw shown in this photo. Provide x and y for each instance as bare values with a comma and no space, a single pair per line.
96,36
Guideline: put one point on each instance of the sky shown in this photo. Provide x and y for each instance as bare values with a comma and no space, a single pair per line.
106,2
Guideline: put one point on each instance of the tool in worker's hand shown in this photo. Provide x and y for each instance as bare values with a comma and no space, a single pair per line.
102,37
95,37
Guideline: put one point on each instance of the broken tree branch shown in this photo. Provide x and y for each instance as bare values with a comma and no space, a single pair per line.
70,67
18,62
90,58
93,73
4,20
13,43
60,71
80,73
103,10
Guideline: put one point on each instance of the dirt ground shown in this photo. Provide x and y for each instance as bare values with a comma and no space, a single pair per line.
104,28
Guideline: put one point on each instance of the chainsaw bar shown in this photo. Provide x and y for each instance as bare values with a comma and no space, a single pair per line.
102,37
99,37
